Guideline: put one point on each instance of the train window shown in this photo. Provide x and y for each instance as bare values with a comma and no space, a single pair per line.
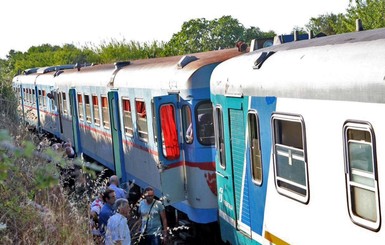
205,125
88,108
44,97
95,110
127,117
33,97
141,119
154,122
220,142
105,112
65,110
361,174
40,98
255,147
290,161
169,132
53,102
80,107
187,124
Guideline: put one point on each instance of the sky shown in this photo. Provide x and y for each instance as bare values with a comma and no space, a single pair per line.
27,23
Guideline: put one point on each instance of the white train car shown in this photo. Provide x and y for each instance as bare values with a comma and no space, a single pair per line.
84,107
36,91
299,136
161,99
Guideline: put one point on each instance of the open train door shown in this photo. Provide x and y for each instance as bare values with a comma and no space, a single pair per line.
172,169
116,133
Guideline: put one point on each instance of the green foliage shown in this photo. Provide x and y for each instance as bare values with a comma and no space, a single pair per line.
122,50
328,24
199,35
371,13
34,209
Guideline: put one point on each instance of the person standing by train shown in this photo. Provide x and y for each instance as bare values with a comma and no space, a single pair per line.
107,210
114,183
153,215
95,208
117,231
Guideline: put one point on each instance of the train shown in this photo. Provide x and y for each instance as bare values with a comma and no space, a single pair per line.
279,145
142,119
299,131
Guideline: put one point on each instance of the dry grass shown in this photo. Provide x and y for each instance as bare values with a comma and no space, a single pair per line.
34,206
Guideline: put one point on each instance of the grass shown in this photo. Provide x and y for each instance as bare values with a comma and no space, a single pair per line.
35,208
37,205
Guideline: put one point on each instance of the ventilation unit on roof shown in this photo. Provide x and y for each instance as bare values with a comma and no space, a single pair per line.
262,58
185,60
121,64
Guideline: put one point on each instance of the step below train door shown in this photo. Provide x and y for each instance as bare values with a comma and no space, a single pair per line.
171,163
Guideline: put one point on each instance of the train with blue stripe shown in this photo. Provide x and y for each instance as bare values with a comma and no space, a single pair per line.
281,145
300,139
150,121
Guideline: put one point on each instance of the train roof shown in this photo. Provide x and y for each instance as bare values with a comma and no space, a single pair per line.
144,72
94,75
341,67
176,70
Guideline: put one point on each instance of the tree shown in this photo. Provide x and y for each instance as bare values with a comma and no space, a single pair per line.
328,24
371,13
199,35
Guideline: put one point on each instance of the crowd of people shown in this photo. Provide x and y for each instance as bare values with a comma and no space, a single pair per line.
110,213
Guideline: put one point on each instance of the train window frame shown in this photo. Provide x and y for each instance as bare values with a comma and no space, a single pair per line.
80,106
141,120
87,105
359,182
105,111
219,136
95,109
203,126
255,151
127,117
187,124
284,128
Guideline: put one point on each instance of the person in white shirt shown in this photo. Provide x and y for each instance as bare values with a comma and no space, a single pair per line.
117,231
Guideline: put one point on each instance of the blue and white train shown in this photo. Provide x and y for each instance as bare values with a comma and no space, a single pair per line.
142,119
299,134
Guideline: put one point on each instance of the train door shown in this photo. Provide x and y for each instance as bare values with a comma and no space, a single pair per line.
116,133
22,94
59,110
231,165
75,121
171,162
37,109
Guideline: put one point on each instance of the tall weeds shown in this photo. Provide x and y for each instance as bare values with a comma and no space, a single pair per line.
34,206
